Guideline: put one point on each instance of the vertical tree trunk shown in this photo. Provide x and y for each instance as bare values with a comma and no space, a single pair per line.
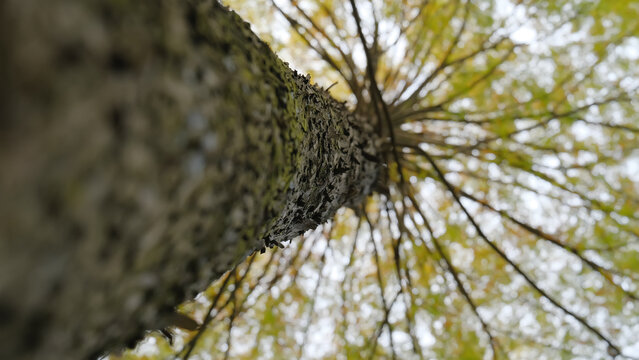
145,148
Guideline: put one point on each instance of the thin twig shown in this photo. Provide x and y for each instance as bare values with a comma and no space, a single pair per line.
191,345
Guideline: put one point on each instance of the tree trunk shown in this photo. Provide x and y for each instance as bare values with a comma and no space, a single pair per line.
146,147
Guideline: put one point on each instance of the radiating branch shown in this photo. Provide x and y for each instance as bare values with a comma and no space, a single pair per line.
515,266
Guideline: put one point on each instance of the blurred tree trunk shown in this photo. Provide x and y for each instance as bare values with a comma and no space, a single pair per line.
146,148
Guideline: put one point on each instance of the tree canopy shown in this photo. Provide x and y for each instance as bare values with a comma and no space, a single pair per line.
507,225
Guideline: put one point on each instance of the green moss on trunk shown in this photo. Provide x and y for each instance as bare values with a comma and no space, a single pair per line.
147,148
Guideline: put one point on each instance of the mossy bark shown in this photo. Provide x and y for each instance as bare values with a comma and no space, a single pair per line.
145,148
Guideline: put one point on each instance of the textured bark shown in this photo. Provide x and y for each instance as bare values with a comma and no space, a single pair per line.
146,148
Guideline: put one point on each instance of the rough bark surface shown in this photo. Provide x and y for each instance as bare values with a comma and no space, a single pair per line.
146,148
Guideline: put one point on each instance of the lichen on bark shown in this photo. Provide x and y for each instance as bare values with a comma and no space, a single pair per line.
146,148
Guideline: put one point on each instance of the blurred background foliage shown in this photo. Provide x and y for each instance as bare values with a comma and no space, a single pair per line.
508,225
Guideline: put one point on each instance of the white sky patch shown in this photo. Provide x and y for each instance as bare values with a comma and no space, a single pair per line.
550,161
524,35
422,329
148,347
629,49
631,167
